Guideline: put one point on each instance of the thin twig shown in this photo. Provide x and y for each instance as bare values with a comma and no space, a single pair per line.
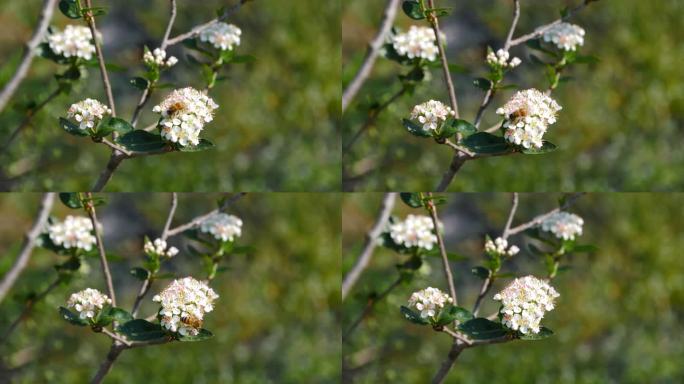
29,52
116,147
106,365
456,163
90,19
445,367
389,14
456,335
537,220
29,243
430,205
371,242
90,209
196,30
169,219
511,215
27,309
445,64
197,220
116,337
459,148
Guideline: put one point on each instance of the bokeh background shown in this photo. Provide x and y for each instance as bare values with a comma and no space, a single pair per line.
276,321
275,129
619,318
620,128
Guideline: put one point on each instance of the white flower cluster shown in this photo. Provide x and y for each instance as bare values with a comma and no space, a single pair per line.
74,41
500,59
222,226
415,231
500,247
73,232
565,36
564,225
88,113
184,113
222,36
432,114
528,115
157,58
183,305
429,301
524,302
159,247
418,42
88,302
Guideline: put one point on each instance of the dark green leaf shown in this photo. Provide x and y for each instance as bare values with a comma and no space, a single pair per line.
202,335
452,313
486,143
119,315
412,199
72,128
482,83
142,141
480,272
139,83
413,317
141,330
547,147
415,129
461,126
412,9
113,124
44,241
73,264
70,199
140,273
72,317
70,9
543,334
202,146
482,329
390,53
387,242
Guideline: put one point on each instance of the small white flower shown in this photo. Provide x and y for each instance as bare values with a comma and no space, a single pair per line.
184,303
88,113
73,232
431,114
429,302
159,248
563,225
524,302
527,117
500,247
565,36
88,302
415,231
418,42
500,59
184,113
157,58
222,36
222,226
74,41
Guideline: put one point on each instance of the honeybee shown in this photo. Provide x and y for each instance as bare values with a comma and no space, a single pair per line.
522,112
192,321
175,107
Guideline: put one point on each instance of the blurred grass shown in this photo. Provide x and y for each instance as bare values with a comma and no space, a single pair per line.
275,128
618,319
275,320
621,123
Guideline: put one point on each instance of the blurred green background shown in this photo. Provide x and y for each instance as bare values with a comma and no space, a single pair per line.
619,317
621,123
275,321
275,129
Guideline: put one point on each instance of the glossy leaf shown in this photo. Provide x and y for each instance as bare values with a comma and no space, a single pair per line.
141,330
70,199
543,334
72,317
461,126
453,313
482,329
142,141
140,273
412,9
202,335
415,129
70,9
486,143
547,147
113,124
203,145
72,128
412,199
482,83
139,83
480,272
413,316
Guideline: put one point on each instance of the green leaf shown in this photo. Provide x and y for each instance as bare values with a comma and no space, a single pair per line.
387,242
412,9
547,147
543,334
70,199
141,330
415,129
139,83
202,335
72,128
44,241
486,143
461,126
113,124
480,272
142,141
203,145
482,329
412,199
72,317
70,9
119,315
390,53
482,83
73,264
452,313
413,317
140,273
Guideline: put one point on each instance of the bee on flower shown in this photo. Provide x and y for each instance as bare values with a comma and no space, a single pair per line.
184,114
184,303
527,116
